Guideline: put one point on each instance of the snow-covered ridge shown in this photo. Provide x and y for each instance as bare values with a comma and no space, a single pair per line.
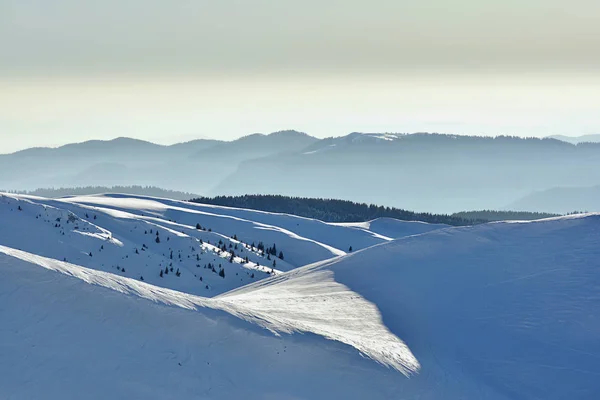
208,249
494,311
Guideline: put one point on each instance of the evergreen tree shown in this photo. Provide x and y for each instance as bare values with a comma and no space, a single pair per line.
281,255
222,273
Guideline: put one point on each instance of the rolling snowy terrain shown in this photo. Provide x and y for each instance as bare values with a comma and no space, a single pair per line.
90,307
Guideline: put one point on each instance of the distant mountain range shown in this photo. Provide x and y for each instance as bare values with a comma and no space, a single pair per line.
560,200
421,172
577,139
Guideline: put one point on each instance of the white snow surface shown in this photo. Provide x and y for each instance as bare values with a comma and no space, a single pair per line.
495,311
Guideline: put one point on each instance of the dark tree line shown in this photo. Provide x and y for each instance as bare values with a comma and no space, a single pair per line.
491,215
330,210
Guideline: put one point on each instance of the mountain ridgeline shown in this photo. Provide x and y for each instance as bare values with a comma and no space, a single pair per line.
435,173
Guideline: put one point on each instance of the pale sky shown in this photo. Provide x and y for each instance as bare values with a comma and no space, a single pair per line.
168,71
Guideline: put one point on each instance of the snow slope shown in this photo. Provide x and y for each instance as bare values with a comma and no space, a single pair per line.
503,310
118,234
390,228
266,226
61,338
496,311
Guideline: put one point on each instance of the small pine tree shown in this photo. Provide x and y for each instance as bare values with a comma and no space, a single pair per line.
350,249
198,226
141,278
161,273
281,255
157,239
222,273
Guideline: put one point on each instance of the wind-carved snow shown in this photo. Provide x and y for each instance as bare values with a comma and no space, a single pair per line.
311,302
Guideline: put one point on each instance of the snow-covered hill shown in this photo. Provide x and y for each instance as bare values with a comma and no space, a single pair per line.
136,236
503,310
496,311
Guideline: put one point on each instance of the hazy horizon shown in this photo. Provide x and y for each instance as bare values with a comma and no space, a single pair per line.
168,72
168,141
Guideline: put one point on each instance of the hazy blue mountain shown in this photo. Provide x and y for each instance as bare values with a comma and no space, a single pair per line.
260,145
193,166
96,162
561,200
422,172
577,139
